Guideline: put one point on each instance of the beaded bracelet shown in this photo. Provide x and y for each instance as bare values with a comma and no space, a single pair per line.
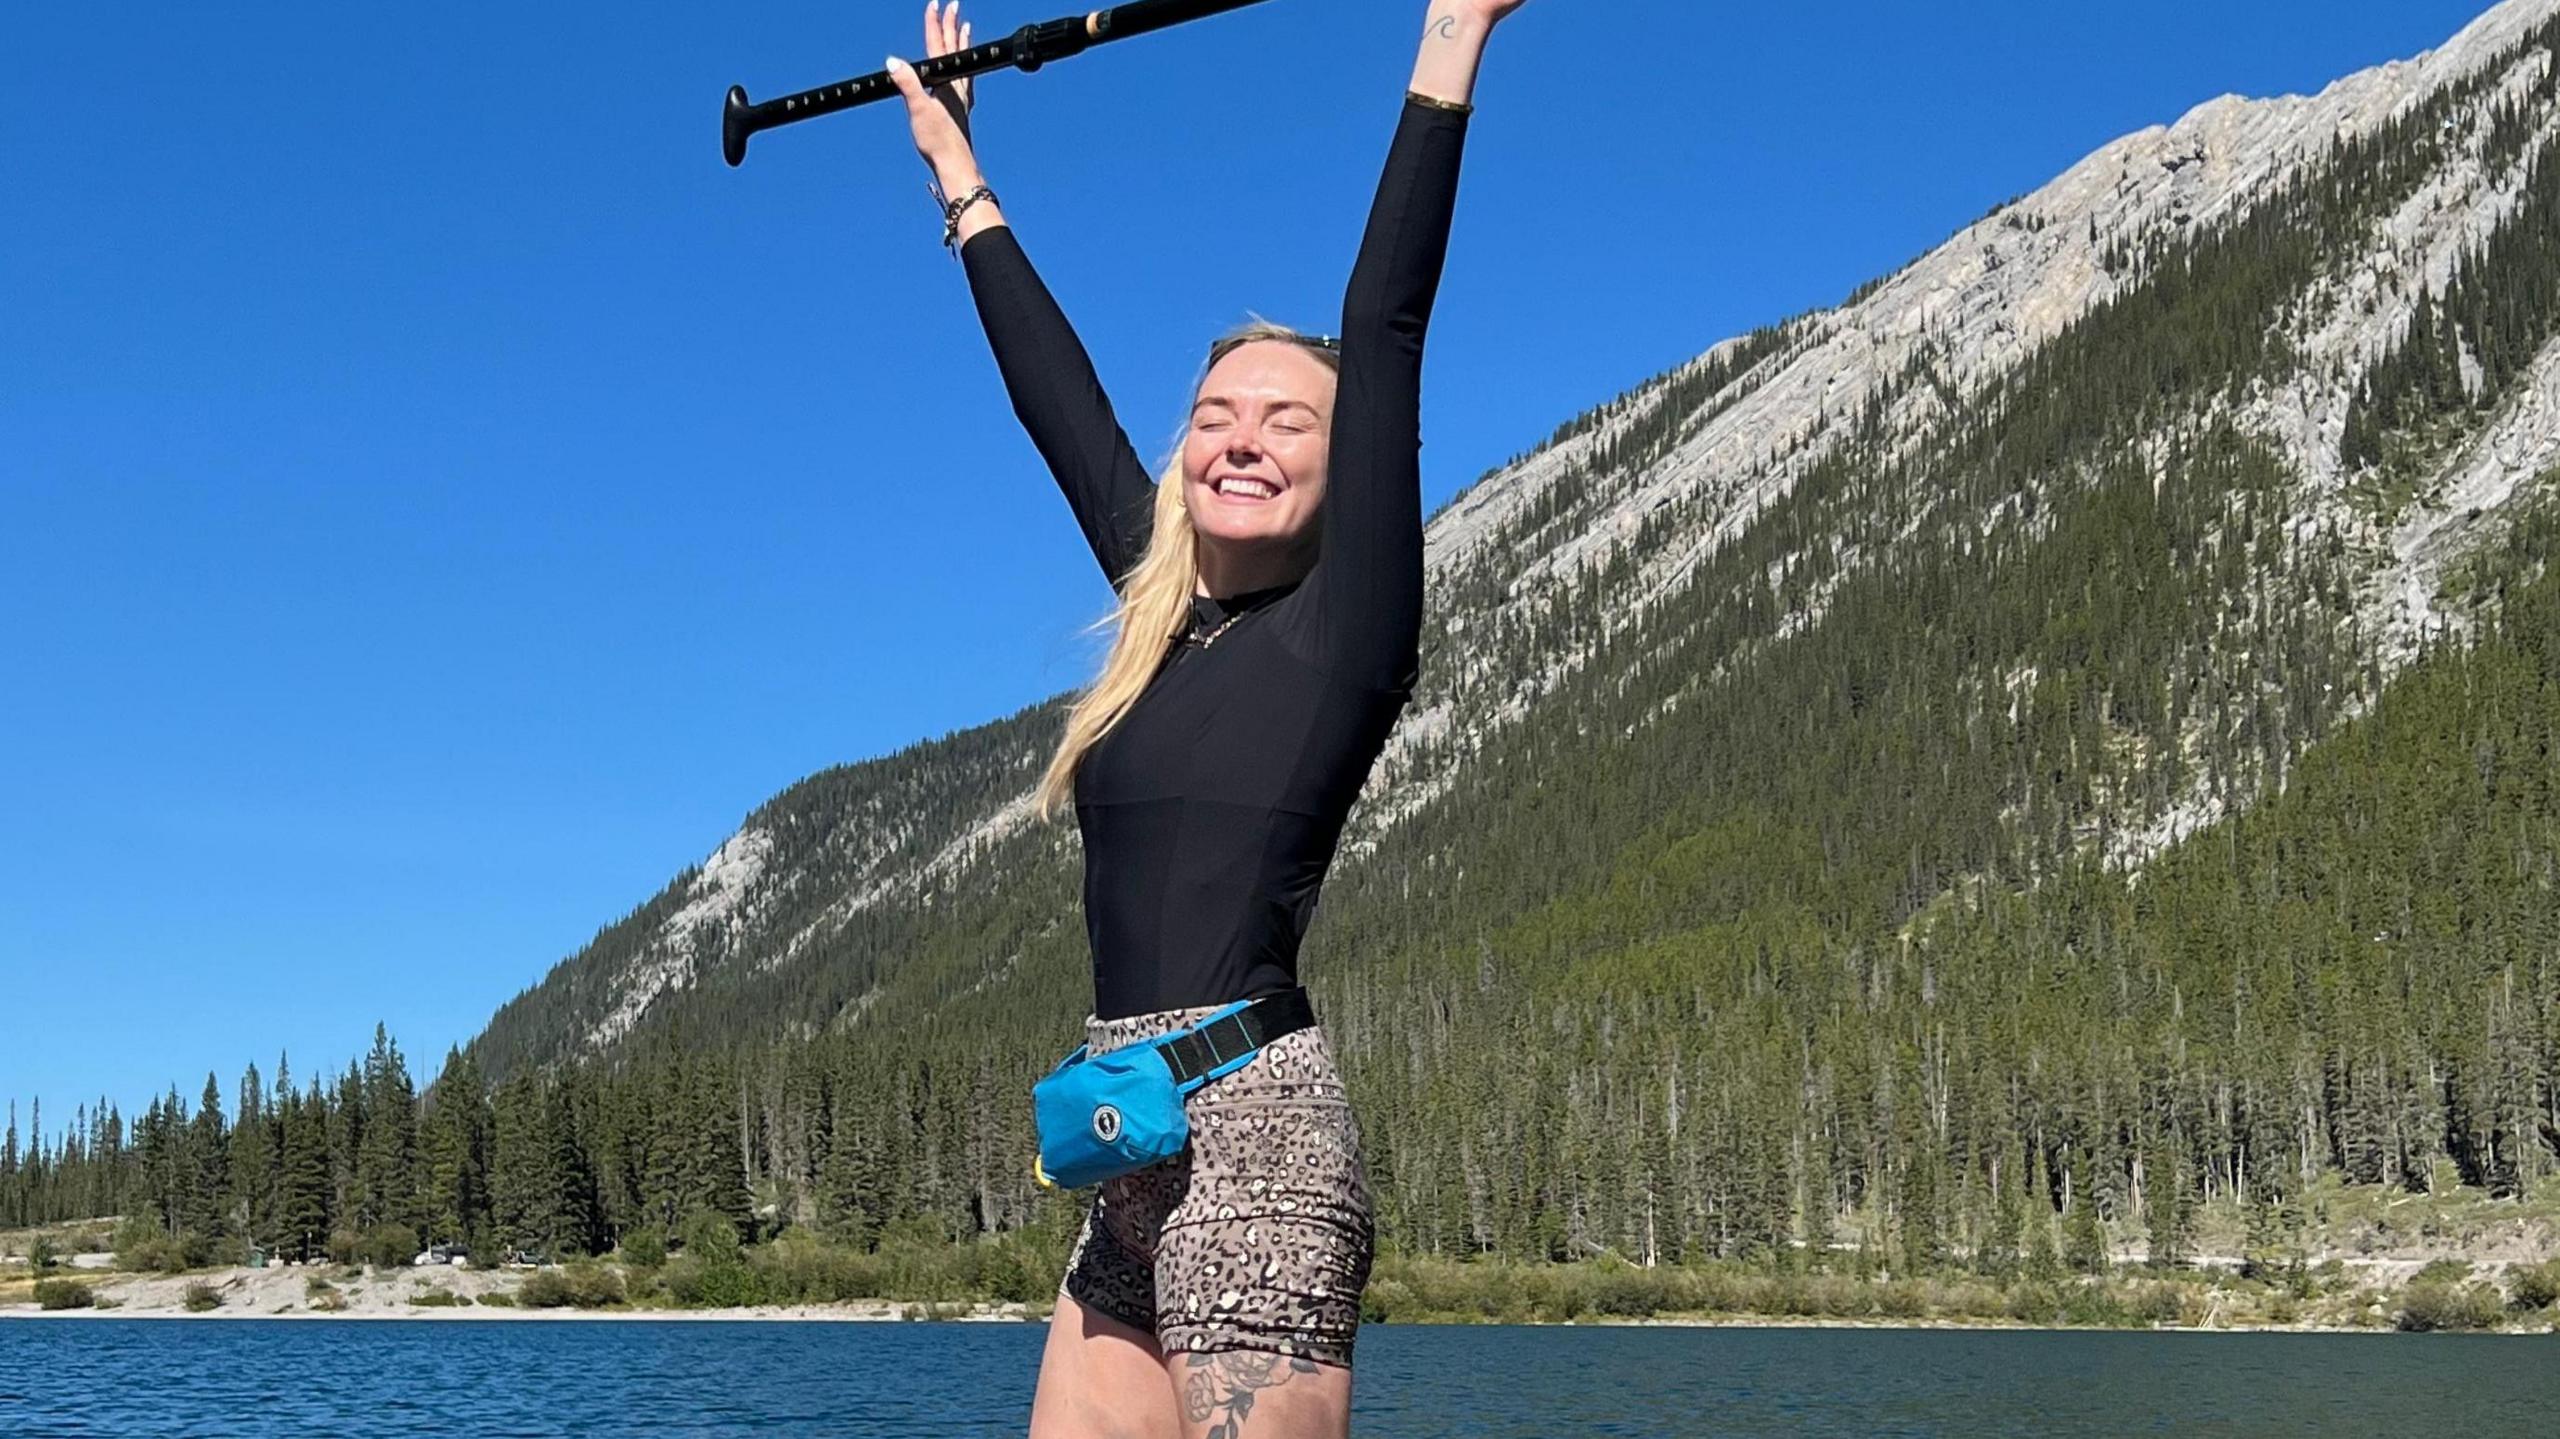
1437,103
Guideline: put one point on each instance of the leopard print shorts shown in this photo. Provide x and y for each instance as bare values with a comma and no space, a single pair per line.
1258,1235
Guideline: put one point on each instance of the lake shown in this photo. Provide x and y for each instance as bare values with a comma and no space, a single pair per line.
124,1377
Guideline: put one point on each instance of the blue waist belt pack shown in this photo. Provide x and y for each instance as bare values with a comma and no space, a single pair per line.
1104,1115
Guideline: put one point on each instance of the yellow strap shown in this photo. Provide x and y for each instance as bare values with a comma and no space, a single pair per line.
1041,1174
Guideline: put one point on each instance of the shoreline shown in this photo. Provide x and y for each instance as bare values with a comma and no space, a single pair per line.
881,1312
884,1311
2360,1294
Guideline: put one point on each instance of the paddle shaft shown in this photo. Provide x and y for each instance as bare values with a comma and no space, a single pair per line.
1027,49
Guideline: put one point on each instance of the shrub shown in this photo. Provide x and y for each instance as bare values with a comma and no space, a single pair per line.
645,1286
592,1286
141,1244
2160,1304
1384,1299
1903,1299
40,1253
923,1229
2034,1304
544,1289
389,1246
799,1266
2093,1305
2434,1306
701,1284
2537,1286
581,1285
1011,1270
131,1235
313,1286
497,1299
644,1248
64,1294
1830,1296
439,1299
200,1297
2443,1271
1627,1291
1973,1301
707,1234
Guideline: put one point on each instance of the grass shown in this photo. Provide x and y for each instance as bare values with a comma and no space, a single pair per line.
2371,1218
74,1236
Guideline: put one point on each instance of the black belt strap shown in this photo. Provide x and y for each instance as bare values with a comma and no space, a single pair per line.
1248,1029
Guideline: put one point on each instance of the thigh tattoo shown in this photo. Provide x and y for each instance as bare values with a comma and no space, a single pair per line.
1226,1379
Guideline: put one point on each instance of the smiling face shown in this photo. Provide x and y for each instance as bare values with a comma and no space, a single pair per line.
1253,461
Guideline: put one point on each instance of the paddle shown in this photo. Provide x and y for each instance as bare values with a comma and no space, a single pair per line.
1028,48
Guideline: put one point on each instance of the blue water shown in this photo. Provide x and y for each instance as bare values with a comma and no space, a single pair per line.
498,1378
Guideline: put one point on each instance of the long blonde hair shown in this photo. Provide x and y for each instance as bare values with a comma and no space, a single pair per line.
1155,596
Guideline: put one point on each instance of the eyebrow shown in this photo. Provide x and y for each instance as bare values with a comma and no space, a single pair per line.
1282,405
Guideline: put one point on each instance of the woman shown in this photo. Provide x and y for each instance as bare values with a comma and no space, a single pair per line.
1269,621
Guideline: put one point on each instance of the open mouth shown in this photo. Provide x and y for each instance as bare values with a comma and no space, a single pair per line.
1246,489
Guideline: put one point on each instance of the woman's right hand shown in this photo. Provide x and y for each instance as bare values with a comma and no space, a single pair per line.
940,116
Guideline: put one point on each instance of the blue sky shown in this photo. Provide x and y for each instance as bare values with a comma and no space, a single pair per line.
439,499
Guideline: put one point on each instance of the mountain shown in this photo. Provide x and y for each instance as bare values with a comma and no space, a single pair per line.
1806,736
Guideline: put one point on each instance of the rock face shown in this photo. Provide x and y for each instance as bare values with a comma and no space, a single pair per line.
1970,311
1597,562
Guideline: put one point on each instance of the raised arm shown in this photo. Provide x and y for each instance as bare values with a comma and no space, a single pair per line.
1366,587
1056,394
1060,401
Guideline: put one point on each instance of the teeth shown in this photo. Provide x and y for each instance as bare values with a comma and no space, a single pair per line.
1237,485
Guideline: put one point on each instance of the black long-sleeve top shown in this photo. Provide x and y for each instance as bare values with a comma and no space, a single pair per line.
1210,813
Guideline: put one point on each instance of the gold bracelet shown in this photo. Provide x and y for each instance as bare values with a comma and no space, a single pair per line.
1437,103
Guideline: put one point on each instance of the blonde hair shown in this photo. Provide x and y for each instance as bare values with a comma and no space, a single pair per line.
1155,596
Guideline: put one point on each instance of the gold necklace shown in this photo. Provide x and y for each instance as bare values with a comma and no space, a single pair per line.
1211,638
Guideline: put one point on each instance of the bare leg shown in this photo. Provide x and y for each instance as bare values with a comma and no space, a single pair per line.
1100,1379
1285,1397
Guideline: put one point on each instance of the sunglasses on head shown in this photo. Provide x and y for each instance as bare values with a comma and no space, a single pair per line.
1316,342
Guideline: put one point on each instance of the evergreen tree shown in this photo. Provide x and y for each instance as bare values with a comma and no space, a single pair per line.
303,1189
251,1183
454,1153
205,1183
386,1185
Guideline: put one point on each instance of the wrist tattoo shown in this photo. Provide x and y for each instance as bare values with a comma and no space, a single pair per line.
1445,28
